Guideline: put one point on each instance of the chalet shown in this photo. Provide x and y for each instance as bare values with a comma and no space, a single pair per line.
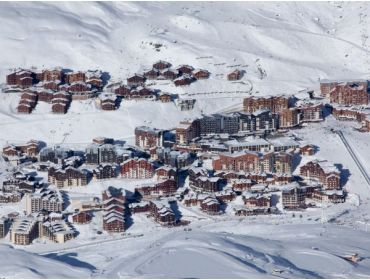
25,108
104,171
186,131
62,97
273,103
246,161
211,206
333,196
184,80
31,148
123,91
349,94
311,111
193,199
207,184
235,75
51,85
162,188
161,65
142,92
55,74
326,86
322,171
113,222
108,102
307,150
166,172
113,203
281,179
200,74
162,213
77,87
82,217
257,201
225,195
185,69
140,207
283,162
45,95
59,108
147,137
165,97
29,95
21,78
170,74
151,74
137,168
289,118
31,103
241,184
94,78
75,77
10,150
67,177
119,196
108,105
244,211
195,172
293,196
136,80
27,186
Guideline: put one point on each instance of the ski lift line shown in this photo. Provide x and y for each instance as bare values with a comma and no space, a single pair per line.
354,157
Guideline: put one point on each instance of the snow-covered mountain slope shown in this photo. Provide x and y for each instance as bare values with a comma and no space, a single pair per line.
283,47
295,43
20,264
231,250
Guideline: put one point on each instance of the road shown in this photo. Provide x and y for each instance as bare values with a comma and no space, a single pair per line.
354,156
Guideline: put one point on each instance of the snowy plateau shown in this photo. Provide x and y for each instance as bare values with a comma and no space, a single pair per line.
284,48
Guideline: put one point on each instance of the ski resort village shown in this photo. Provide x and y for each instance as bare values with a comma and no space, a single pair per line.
184,140
228,164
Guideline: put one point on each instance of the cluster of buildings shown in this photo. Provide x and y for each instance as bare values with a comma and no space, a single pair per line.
25,229
349,100
244,163
241,162
288,111
135,86
56,86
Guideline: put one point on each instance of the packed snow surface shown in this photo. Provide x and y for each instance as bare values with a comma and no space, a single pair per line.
20,264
